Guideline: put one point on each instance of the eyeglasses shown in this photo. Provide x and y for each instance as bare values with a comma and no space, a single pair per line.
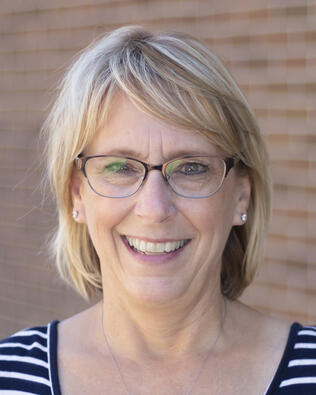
192,177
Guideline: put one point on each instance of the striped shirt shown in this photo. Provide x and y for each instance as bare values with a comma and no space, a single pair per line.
28,363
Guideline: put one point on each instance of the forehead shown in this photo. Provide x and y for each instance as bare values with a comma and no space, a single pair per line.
130,131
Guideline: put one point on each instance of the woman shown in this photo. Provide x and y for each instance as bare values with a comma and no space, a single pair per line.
160,175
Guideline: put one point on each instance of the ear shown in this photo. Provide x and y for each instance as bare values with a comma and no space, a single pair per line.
243,195
76,188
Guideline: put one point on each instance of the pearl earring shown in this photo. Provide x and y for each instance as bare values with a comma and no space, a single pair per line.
243,217
75,214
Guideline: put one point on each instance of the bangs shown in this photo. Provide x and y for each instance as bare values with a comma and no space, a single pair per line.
165,79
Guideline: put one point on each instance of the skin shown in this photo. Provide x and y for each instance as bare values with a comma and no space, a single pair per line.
167,314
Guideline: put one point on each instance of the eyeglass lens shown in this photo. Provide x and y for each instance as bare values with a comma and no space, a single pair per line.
188,177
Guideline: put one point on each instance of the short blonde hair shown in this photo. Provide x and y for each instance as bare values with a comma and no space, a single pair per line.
173,77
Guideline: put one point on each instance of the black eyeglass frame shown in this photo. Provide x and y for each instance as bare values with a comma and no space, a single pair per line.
80,164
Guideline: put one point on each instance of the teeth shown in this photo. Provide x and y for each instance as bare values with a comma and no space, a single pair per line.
150,248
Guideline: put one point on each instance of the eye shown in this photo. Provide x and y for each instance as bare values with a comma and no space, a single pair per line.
115,167
122,167
192,168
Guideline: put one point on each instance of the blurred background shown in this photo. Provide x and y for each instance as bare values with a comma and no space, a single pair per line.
268,46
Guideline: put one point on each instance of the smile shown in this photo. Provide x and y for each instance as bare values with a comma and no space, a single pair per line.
151,248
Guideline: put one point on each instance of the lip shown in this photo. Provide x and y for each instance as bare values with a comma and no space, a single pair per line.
149,240
157,258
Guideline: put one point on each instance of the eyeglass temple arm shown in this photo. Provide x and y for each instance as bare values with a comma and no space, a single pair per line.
79,163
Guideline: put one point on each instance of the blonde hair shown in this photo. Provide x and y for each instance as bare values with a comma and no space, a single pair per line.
173,77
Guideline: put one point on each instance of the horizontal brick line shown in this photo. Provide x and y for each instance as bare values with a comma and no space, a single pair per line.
288,138
24,323
46,268
16,148
18,206
301,316
17,129
25,226
12,134
35,228
288,262
31,305
278,37
19,91
297,113
303,214
18,225
105,26
294,188
24,110
305,35
19,245
264,62
296,10
28,284
23,180
31,71
21,131
285,287
287,87
40,209
214,41
297,163
69,8
25,169
18,188
284,237
253,87
41,51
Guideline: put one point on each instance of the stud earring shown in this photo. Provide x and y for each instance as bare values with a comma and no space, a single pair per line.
243,217
75,214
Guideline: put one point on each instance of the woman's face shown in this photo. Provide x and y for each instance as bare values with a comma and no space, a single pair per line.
155,214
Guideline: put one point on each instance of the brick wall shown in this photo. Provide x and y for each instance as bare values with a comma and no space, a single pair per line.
270,48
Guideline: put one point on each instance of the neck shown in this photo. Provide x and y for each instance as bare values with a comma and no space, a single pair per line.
168,331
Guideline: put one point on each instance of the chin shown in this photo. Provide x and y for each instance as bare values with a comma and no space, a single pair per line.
156,291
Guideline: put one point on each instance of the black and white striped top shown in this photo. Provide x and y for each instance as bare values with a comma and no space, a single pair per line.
28,363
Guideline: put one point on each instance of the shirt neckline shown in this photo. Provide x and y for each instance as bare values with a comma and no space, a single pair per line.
52,356
283,365
53,346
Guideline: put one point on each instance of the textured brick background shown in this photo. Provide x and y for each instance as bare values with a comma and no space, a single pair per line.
270,48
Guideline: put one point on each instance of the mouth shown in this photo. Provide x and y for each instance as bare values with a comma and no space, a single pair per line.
145,247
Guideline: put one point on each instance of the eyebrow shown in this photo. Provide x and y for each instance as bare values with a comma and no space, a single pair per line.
174,154
126,152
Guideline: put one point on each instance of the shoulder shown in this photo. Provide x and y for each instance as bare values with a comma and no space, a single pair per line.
301,349
304,337
24,336
301,346
25,359
258,330
297,369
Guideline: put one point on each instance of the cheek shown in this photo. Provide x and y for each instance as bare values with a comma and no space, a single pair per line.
102,216
211,215
212,219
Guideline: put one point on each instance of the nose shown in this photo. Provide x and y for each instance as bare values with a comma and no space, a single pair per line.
155,199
